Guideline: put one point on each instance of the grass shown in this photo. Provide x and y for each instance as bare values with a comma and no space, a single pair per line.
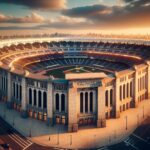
60,72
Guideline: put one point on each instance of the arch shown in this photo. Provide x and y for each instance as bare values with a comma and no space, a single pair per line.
57,101
106,98
131,89
14,89
62,102
17,87
34,93
86,101
120,92
30,96
44,100
39,98
91,101
111,97
127,89
81,102
124,91
20,93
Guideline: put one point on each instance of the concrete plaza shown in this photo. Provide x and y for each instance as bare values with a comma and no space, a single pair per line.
57,136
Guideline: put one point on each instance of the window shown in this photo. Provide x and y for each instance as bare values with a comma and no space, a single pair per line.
34,97
39,98
57,101
106,98
44,100
20,93
91,101
111,97
30,96
120,92
86,102
62,102
81,102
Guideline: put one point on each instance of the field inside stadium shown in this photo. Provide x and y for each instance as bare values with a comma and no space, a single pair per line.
60,72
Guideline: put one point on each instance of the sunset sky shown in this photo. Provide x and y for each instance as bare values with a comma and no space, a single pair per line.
75,16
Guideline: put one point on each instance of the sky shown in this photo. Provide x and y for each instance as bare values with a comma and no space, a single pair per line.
75,16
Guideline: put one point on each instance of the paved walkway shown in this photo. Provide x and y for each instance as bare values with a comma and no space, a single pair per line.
86,138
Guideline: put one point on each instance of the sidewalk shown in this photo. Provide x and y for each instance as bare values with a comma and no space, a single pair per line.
85,138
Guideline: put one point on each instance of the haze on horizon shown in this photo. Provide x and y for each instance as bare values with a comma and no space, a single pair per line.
75,16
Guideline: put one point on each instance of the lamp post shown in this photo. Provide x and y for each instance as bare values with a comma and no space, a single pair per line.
126,119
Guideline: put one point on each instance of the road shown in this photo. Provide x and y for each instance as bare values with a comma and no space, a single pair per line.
138,140
16,141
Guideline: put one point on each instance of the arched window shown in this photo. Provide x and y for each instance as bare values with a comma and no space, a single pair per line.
131,89
86,102
106,98
14,90
20,93
57,101
120,92
39,98
91,101
81,102
34,97
30,96
17,91
124,91
62,102
111,97
127,89
44,100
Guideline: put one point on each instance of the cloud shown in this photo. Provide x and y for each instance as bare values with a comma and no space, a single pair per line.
33,18
38,4
134,13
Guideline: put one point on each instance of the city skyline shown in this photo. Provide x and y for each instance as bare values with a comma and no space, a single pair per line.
75,17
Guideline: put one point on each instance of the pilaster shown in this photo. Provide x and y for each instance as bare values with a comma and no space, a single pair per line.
117,96
50,103
72,109
24,113
9,102
101,118
148,80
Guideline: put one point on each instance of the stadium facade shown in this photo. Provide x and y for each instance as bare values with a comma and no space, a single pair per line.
73,82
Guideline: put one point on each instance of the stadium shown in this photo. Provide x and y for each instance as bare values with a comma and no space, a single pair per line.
73,82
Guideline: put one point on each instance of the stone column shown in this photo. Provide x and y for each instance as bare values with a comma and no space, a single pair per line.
50,103
9,102
101,118
117,96
72,109
42,99
32,90
135,88
148,80
24,113
37,98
